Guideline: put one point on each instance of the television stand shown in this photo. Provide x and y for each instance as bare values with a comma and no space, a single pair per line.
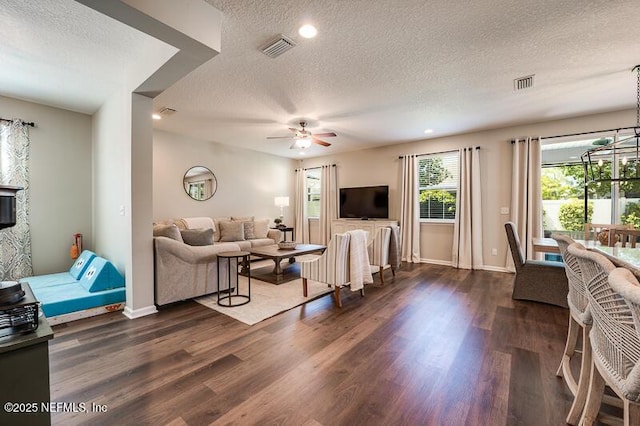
340,226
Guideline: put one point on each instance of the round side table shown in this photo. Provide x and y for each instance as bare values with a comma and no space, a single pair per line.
229,284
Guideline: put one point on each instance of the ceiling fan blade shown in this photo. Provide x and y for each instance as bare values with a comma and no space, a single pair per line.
279,137
293,130
325,135
320,142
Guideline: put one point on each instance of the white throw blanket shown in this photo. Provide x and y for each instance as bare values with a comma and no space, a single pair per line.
359,270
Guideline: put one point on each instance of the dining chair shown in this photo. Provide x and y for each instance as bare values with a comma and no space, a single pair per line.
592,230
331,268
379,251
615,340
624,237
579,324
536,280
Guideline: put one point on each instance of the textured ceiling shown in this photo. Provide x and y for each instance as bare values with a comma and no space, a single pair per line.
379,72
63,54
382,71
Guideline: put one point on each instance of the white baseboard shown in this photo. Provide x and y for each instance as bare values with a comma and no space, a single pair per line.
73,316
449,263
496,269
437,262
137,313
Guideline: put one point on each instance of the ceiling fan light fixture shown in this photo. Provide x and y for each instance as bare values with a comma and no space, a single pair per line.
303,143
308,31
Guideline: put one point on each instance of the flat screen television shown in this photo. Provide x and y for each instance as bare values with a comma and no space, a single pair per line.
365,202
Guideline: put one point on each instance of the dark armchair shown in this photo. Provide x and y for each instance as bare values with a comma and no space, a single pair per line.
538,281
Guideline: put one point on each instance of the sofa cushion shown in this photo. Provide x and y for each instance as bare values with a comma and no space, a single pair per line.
198,222
231,231
249,230
81,264
261,228
241,218
216,221
244,245
169,231
260,242
198,237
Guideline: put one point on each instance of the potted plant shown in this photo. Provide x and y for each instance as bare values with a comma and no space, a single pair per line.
278,222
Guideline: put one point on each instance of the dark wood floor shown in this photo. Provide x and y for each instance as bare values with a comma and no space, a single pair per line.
439,346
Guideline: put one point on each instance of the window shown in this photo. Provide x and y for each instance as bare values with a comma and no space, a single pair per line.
312,201
196,190
438,183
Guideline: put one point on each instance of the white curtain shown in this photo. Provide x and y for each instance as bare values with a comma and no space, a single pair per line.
15,242
526,194
301,224
328,201
467,234
410,210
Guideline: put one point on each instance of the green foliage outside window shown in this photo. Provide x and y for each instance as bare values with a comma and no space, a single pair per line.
440,201
438,182
631,215
572,214
432,172
567,181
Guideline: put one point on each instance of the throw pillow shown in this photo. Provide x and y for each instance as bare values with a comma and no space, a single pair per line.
261,228
216,221
169,231
197,237
249,230
231,231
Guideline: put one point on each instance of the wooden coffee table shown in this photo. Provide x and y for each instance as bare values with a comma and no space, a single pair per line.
279,275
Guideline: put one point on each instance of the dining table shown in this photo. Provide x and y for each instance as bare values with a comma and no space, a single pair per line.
625,257
549,245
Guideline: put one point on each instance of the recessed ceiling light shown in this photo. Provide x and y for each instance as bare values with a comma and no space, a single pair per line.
428,131
307,31
156,116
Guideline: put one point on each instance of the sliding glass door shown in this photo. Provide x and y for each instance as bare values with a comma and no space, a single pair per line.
563,185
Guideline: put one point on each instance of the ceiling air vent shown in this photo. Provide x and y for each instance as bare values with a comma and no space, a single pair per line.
523,82
278,46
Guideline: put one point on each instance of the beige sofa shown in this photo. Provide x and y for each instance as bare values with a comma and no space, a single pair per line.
183,270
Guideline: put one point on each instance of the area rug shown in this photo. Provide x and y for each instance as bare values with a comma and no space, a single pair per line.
267,299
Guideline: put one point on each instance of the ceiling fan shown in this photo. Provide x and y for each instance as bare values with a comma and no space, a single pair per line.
304,138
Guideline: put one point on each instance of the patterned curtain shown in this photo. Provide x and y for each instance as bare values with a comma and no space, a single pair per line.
15,242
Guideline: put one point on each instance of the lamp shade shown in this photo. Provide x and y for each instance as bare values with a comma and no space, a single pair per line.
281,201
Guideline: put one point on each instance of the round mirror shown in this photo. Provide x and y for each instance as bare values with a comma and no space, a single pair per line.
200,183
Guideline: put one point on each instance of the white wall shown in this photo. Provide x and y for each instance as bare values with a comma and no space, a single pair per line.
247,180
381,166
60,169
112,179
140,297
